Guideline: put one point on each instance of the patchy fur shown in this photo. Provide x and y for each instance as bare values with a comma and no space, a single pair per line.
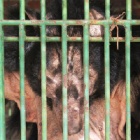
75,78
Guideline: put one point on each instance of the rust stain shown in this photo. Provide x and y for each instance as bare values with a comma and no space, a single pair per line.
85,104
87,109
65,81
134,38
35,21
54,21
78,22
74,38
65,109
94,21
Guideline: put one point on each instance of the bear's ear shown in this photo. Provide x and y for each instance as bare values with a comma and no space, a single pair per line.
118,107
96,30
31,17
118,16
32,14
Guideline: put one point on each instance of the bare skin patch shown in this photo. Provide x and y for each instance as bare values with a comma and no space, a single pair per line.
33,106
97,117
12,92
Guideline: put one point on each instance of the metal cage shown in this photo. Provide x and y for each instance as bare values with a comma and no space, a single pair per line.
64,38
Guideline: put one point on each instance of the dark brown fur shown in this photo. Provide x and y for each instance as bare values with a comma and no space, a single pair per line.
75,84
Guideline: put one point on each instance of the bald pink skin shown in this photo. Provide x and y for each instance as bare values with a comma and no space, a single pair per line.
75,98
75,116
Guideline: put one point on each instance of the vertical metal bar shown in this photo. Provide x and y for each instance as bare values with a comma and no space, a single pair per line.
22,71
43,70
107,72
127,59
86,71
64,9
64,70
2,99
128,9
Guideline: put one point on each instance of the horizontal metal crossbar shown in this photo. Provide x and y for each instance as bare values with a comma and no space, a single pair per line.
86,22
70,39
69,22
